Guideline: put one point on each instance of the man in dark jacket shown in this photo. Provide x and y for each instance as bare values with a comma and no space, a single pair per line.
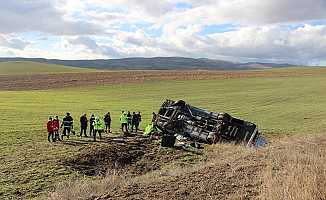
83,125
135,122
91,126
129,120
67,124
107,121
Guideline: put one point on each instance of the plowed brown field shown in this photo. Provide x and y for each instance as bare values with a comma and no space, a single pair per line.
48,81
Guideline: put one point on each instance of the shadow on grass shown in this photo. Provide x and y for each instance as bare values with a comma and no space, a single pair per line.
76,142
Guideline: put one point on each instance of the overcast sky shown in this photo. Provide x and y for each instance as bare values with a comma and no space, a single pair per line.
238,30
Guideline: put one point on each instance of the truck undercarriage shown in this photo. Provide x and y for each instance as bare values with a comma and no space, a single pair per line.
179,118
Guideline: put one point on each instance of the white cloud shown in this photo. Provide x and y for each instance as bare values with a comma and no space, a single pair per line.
13,42
278,30
255,11
40,16
90,44
269,43
150,7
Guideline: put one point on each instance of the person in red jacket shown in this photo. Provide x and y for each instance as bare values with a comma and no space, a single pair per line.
49,126
56,126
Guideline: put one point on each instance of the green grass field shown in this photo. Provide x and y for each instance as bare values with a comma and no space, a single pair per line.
18,68
29,165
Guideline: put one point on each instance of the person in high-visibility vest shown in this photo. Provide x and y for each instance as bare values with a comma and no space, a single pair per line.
149,130
98,127
124,122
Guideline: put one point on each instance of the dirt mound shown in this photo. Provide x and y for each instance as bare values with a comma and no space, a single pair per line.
291,168
229,177
128,156
288,168
97,159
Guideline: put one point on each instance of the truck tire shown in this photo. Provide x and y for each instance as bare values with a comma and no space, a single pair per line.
168,141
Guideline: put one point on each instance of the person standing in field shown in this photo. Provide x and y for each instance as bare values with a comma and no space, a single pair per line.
67,124
49,127
124,122
154,115
107,121
83,125
98,127
56,126
91,125
135,122
129,120
139,118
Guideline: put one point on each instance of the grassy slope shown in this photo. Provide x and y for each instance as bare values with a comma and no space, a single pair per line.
278,105
16,68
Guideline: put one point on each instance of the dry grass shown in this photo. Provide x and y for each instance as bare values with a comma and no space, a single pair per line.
86,189
296,170
289,169
114,187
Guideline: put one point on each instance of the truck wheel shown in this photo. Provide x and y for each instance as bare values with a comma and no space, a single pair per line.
168,141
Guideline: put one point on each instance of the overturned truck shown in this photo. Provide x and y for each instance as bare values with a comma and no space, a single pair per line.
179,118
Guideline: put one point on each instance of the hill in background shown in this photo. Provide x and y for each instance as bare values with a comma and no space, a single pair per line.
28,67
163,63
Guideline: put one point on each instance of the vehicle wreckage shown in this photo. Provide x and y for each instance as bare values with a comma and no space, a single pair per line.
177,118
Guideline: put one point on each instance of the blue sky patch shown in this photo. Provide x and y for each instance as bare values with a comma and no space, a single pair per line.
318,22
294,26
145,26
218,28
135,26
183,6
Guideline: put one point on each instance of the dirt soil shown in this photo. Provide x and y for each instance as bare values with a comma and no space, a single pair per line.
126,156
62,80
134,157
224,171
239,173
231,179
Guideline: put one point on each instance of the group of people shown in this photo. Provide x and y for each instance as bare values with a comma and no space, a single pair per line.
53,129
97,126
130,122
53,126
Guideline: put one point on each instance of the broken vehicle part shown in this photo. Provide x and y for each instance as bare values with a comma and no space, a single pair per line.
180,118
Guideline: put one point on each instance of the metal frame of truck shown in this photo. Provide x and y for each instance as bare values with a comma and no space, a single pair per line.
177,117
